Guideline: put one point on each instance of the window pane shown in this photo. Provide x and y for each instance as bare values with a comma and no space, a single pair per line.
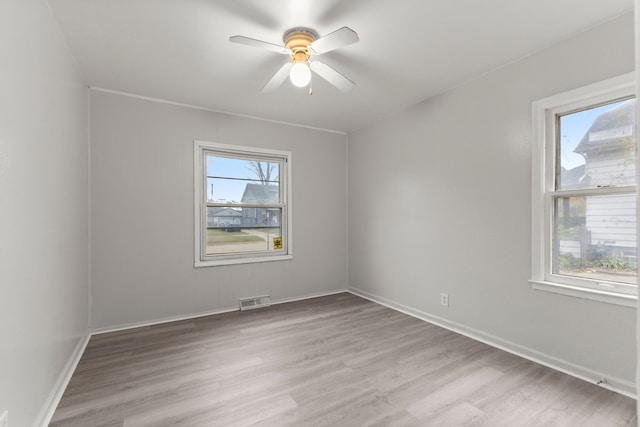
242,181
233,191
595,237
597,147
235,230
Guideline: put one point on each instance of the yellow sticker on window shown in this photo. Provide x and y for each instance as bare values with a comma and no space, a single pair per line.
277,243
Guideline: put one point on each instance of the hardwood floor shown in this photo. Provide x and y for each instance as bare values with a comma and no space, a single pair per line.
332,361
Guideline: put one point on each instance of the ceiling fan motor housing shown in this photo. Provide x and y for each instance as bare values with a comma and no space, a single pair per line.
298,40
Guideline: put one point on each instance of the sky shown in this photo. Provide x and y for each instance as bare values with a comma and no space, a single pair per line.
229,189
573,128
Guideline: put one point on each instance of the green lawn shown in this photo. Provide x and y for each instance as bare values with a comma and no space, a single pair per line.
215,236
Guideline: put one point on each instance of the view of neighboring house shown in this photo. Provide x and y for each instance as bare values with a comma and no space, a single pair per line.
247,217
223,217
607,224
260,194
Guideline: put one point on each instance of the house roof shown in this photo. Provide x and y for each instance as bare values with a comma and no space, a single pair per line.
222,212
611,129
260,193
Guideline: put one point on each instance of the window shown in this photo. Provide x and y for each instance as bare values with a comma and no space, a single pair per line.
584,193
242,208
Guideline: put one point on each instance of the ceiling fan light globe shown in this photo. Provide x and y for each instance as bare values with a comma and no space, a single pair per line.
300,74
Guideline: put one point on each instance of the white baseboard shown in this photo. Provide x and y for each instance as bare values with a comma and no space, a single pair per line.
618,385
309,296
124,327
44,418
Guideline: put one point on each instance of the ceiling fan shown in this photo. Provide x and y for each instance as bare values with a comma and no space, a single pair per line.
300,44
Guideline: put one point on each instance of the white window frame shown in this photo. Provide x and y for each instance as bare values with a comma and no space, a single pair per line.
544,113
201,148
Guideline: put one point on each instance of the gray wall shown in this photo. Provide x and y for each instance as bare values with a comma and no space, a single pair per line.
43,209
142,212
637,44
457,170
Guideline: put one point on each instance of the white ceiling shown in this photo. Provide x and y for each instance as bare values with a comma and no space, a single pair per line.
409,50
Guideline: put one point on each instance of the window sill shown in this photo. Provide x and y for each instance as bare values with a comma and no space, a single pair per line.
585,293
234,261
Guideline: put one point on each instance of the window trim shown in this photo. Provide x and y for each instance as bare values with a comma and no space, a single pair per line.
199,148
543,172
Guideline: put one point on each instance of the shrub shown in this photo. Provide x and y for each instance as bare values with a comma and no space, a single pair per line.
569,262
615,264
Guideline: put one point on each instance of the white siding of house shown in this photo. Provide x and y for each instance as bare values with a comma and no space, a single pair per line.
571,247
612,220
611,170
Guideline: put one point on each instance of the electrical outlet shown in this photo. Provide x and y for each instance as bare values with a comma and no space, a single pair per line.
444,300
4,419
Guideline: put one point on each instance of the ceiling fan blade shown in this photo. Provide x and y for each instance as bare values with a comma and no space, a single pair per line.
341,37
258,43
278,78
332,76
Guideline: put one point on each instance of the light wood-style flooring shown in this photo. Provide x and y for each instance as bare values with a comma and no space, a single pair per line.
333,361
